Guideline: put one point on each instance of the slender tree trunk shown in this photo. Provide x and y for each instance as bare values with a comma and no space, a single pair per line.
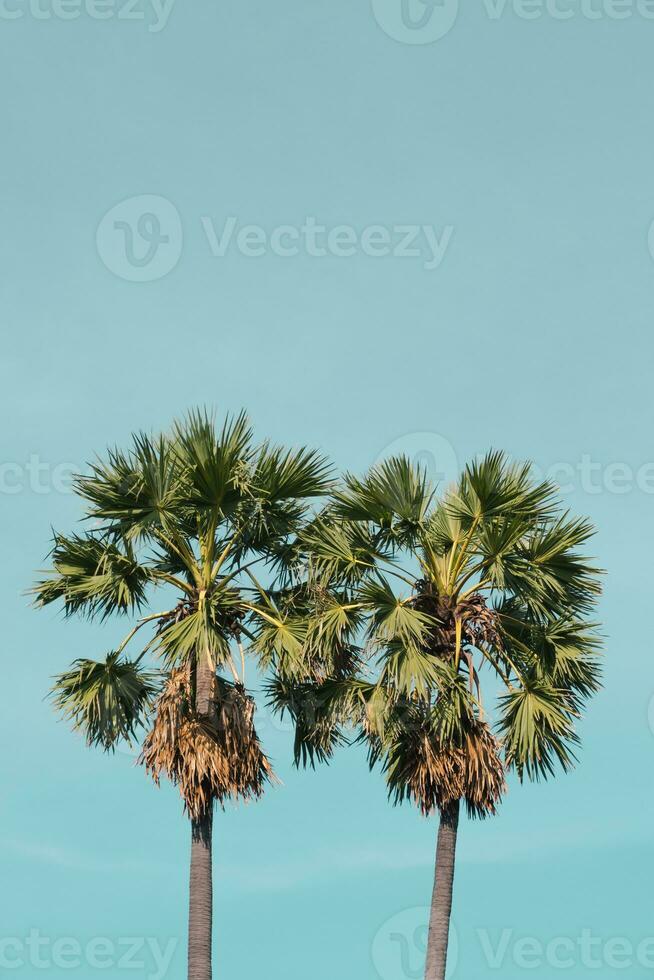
201,901
200,882
441,901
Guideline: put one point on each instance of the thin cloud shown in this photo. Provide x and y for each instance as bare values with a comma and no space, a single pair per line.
74,860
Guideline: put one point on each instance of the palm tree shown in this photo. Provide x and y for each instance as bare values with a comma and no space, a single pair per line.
450,600
194,515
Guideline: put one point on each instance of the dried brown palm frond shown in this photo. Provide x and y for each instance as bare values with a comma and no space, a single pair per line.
484,778
209,760
434,775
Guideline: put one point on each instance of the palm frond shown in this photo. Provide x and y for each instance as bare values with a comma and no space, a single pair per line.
205,625
343,551
208,759
537,729
280,642
108,700
492,487
395,496
318,713
133,491
434,774
298,474
216,466
93,575
392,618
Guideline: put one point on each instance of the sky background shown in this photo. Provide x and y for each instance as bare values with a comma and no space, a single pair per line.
531,140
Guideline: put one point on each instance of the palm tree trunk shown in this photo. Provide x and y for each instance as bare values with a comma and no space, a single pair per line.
441,901
200,882
201,901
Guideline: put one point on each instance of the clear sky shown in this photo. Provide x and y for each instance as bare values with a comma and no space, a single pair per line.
517,153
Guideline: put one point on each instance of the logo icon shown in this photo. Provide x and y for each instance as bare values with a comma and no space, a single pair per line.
416,21
430,451
140,239
400,946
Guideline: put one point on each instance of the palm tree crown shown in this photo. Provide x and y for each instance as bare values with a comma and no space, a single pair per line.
204,517
482,592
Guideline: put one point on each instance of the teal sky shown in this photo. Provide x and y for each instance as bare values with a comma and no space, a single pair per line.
526,148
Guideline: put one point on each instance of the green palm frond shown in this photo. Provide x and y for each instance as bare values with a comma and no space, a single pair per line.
282,484
576,656
565,649
280,642
395,496
93,576
391,617
194,634
345,551
216,467
569,581
299,474
107,701
203,627
334,619
537,729
408,669
134,491
318,712
493,487
442,528
264,526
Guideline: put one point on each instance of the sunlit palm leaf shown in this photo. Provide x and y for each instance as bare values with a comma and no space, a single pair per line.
394,496
108,700
537,729
93,575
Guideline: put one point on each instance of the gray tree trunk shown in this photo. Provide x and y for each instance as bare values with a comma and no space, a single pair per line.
441,901
200,882
201,901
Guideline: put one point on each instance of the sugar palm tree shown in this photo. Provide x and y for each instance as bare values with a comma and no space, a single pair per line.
448,601
193,515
